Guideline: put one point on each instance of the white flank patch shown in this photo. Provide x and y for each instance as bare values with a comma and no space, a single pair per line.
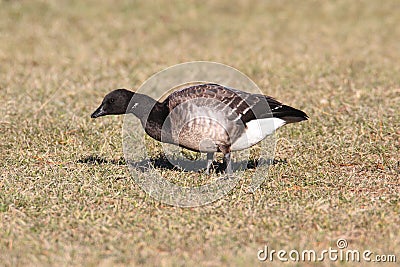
256,131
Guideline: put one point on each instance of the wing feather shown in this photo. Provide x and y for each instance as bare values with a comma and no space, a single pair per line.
244,106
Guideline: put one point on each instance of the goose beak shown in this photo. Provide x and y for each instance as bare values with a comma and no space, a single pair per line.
98,113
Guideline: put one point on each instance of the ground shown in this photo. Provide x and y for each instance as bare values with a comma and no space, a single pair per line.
337,175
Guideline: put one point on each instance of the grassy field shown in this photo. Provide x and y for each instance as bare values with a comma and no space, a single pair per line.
337,175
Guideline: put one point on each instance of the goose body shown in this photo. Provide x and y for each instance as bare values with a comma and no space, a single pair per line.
204,118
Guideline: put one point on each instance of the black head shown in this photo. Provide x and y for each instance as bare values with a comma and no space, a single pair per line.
115,103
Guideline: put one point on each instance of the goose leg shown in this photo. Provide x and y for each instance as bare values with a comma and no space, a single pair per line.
210,158
228,164
226,150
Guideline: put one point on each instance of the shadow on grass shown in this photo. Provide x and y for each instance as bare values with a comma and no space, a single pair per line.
96,160
162,162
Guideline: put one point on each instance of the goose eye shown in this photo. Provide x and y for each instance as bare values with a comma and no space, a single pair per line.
112,100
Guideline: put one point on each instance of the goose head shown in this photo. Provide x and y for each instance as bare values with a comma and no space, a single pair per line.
115,103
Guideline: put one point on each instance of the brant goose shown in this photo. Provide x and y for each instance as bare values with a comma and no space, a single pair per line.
205,118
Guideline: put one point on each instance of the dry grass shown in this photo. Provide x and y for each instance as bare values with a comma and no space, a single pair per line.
337,60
